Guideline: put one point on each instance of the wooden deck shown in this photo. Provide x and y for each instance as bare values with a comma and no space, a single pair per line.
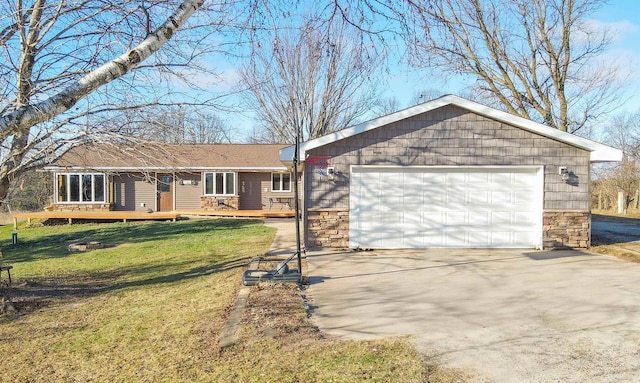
240,213
140,215
96,215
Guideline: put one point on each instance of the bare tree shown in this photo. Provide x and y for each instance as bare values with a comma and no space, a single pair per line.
67,67
315,78
178,125
623,132
424,95
539,59
386,105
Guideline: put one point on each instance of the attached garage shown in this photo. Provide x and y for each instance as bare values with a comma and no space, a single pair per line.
448,173
421,207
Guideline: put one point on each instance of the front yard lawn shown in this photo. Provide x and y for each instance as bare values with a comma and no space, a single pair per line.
151,305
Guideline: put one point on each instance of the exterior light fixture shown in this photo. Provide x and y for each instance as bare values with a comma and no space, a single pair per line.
331,172
564,173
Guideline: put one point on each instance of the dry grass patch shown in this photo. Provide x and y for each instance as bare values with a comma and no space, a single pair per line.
628,250
278,343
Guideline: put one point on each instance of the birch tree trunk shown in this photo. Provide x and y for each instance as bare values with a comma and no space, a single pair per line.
34,30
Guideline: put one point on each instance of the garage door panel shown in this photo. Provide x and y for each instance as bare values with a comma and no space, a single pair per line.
413,198
456,218
435,201
433,238
524,237
523,179
479,218
432,219
456,179
523,220
446,207
523,199
500,239
500,217
501,198
479,198
478,237
480,178
456,239
503,179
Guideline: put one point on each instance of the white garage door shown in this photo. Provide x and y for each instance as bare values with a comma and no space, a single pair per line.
422,207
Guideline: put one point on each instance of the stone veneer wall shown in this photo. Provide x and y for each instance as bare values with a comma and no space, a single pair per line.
211,203
566,229
82,207
328,228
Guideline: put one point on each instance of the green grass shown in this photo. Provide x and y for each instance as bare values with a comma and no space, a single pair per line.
152,306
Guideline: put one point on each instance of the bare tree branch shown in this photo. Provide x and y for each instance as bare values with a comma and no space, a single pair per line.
316,79
538,59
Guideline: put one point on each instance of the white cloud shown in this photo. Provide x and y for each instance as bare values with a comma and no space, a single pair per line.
619,31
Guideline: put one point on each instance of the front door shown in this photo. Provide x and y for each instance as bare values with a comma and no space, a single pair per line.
165,192
251,190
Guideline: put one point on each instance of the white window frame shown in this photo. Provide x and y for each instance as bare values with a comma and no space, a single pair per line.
80,184
280,183
225,186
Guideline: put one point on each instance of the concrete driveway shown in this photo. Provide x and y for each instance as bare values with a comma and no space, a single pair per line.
502,315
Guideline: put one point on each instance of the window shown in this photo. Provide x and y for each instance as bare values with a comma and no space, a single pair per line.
219,183
80,188
164,183
281,181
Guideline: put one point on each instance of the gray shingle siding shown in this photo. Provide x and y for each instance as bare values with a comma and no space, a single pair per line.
451,136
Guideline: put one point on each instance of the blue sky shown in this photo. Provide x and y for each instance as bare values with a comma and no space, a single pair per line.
622,17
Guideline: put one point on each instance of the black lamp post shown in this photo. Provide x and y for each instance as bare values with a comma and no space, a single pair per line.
296,159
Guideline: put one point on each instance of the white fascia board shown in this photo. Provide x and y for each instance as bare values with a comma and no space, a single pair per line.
286,155
599,152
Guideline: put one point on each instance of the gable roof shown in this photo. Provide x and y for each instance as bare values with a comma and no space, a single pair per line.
599,152
158,156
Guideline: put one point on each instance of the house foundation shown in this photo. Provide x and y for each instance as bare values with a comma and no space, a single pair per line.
566,229
82,207
328,228
219,203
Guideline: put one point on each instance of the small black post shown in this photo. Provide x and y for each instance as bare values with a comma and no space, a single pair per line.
14,238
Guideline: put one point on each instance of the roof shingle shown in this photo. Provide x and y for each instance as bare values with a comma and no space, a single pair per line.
150,156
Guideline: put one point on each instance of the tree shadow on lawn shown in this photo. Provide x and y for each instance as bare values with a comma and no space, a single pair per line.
56,245
32,295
